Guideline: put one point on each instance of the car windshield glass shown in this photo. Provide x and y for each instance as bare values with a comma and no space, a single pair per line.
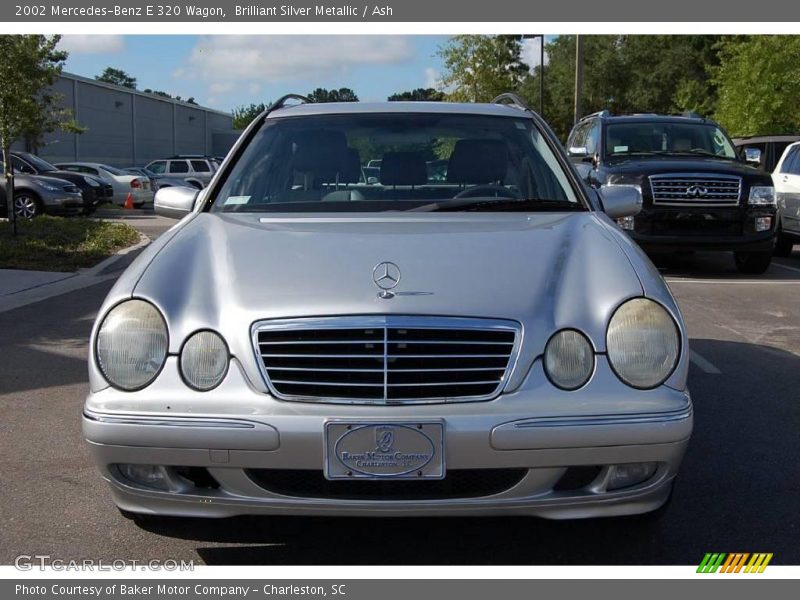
39,164
703,139
114,170
391,162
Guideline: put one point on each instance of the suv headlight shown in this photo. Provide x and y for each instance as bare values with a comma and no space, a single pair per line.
46,185
132,345
643,343
204,360
568,359
762,195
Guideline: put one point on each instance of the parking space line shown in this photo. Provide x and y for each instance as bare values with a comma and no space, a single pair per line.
787,267
704,365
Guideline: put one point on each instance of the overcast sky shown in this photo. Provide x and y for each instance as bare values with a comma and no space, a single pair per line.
227,71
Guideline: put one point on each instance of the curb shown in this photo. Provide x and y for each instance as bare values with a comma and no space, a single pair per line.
82,278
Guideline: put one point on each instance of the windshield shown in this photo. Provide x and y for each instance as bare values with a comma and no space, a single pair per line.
39,164
389,162
704,139
113,170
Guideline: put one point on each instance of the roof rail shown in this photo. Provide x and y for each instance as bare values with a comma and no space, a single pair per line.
512,99
282,102
690,114
600,113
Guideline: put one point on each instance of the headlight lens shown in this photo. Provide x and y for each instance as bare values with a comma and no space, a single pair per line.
762,195
46,185
569,359
643,343
204,360
132,344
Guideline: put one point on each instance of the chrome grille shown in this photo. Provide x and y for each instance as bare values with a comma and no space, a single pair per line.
386,359
702,190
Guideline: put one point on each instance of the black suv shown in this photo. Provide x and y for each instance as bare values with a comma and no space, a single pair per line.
698,192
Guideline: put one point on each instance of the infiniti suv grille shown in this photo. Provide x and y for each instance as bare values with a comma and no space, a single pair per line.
383,359
696,190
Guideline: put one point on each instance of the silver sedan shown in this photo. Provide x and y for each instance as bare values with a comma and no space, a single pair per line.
482,342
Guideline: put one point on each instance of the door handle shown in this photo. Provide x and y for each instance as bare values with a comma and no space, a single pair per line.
785,178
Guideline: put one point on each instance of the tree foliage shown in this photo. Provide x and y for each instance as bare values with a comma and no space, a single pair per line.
117,77
189,100
479,67
341,95
759,84
244,115
28,107
418,95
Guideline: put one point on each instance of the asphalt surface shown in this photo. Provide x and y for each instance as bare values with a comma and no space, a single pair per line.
738,489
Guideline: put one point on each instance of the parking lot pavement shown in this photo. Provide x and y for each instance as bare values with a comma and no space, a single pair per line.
737,490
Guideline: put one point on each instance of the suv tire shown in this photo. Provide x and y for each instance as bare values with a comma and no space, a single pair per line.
753,263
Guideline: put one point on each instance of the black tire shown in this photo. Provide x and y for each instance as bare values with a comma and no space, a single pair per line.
783,246
753,263
27,205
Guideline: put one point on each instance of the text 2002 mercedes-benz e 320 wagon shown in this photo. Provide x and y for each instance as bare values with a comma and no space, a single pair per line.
479,340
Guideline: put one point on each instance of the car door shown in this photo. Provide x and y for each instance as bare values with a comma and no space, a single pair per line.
787,188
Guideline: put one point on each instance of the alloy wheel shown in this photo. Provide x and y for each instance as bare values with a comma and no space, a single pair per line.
25,206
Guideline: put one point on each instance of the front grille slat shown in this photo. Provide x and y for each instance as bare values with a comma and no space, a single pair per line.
701,190
386,359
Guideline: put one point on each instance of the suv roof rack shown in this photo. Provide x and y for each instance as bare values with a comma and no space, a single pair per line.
690,114
600,113
283,101
512,99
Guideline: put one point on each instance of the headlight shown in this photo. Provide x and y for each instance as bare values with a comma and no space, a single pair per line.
569,359
204,360
91,182
643,343
46,185
762,195
132,344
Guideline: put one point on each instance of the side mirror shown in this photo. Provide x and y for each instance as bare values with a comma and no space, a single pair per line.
621,200
752,156
578,152
175,202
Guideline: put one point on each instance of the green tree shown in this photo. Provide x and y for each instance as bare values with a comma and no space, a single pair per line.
28,108
117,77
340,95
479,67
758,83
244,115
418,95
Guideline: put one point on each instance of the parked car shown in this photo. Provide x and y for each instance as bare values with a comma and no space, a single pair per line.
493,344
787,189
95,192
37,194
698,193
764,151
193,169
157,181
122,182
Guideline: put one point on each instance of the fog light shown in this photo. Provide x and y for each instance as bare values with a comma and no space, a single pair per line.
622,476
153,476
626,223
763,223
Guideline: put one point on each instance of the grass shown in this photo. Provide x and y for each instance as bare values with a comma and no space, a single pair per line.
59,244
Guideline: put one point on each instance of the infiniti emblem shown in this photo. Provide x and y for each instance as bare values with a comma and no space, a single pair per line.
386,275
696,191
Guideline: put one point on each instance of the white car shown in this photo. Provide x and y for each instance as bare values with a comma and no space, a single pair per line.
786,179
123,183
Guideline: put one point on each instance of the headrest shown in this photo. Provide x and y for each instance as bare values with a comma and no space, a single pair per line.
478,161
322,152
403,168
351,171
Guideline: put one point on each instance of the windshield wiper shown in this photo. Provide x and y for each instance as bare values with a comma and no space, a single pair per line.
499,204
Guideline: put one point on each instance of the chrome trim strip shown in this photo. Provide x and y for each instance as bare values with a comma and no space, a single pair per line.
387,322
162,421
605,420
667,178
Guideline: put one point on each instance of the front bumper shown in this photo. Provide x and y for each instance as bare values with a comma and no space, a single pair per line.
517,431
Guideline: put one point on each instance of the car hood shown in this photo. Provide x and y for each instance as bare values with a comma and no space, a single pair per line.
546,271
657,164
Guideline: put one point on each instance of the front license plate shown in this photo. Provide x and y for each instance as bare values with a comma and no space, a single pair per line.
408,450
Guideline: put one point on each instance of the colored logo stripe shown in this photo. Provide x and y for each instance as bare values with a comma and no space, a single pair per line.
734,562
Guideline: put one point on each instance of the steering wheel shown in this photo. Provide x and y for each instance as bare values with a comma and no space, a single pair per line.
487,189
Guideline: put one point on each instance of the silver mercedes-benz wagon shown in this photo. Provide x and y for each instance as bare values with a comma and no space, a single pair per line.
465,331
